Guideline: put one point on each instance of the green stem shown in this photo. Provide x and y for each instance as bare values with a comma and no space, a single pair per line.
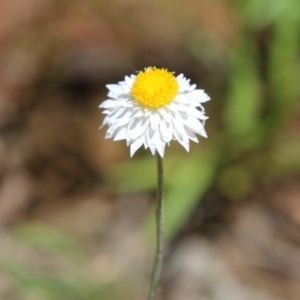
157,264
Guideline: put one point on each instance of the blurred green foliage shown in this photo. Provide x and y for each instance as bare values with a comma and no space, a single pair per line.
186,178
46,264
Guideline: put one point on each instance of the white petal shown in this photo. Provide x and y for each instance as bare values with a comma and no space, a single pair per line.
197,114
185,99
137,113
136,128
118,112
192,135
184,141
183,83
136,145
152,139
109,103
193,112
121,134
199,95
164,112
179,137
111,131
166,131
124,119
161,149
196,126
154,120
105,121
129,80
186,145
115,90
178,125
113,87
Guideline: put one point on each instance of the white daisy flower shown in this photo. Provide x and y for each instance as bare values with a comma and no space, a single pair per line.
153,108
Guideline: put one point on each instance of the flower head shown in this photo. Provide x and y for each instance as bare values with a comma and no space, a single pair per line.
153,108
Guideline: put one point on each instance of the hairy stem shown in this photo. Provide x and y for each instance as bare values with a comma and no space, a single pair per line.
159,213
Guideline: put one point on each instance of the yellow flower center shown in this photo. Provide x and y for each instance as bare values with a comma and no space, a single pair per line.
154,87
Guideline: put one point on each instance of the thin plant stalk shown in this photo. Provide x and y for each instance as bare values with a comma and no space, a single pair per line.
159,214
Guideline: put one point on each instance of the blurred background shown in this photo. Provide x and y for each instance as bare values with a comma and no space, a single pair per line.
76,213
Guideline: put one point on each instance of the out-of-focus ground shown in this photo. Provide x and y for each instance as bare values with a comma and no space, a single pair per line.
74,208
